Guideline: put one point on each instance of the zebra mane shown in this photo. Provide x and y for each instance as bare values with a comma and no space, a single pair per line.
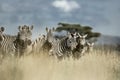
6,36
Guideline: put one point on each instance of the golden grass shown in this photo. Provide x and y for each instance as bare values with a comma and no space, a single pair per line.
98,65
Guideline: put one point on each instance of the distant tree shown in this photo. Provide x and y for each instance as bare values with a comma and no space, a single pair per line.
78,28
68,27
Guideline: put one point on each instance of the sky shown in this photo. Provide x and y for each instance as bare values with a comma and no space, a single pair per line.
102,15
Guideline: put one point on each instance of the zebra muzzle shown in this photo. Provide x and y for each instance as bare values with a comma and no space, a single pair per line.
29,42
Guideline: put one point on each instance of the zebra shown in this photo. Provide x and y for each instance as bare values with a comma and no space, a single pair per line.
38,43
1,39
23,40
89,46
80,49
6,45
61,46
16,44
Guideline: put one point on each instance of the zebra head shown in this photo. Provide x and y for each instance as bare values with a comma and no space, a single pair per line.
43,37
1,32
24,35
71,42
29,32
50,36
81,39
40,40
90,46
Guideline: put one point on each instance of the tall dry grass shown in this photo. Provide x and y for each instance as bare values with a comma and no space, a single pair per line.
98,65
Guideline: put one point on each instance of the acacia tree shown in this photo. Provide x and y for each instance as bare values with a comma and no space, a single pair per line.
78,28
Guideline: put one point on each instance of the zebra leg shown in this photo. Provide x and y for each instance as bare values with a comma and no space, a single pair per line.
68,54
1,57
82,52
76,55
51,52
60,58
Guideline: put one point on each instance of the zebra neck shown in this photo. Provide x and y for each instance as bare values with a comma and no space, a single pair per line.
64,44
8,37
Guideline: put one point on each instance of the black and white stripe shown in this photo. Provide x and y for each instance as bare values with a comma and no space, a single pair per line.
61,46
81,46
7,45
38,43
6,42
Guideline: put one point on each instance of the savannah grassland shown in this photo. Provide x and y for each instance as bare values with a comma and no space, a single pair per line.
101,64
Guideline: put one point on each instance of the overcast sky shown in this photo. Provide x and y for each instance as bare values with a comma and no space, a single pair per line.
102,15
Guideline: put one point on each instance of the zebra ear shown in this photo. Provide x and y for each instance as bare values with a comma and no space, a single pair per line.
76,35
43,36
85,36
68,33
92,44
53,29
20,28
2,29
72,35
24,25
79,35
88,43
31,28
69,36
46,29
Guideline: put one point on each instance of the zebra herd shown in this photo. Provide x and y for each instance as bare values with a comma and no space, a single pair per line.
72,44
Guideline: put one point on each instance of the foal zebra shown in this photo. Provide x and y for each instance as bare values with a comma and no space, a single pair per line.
61,46
89,47
16,45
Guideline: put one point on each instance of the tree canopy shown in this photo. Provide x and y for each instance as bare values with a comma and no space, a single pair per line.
77,28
